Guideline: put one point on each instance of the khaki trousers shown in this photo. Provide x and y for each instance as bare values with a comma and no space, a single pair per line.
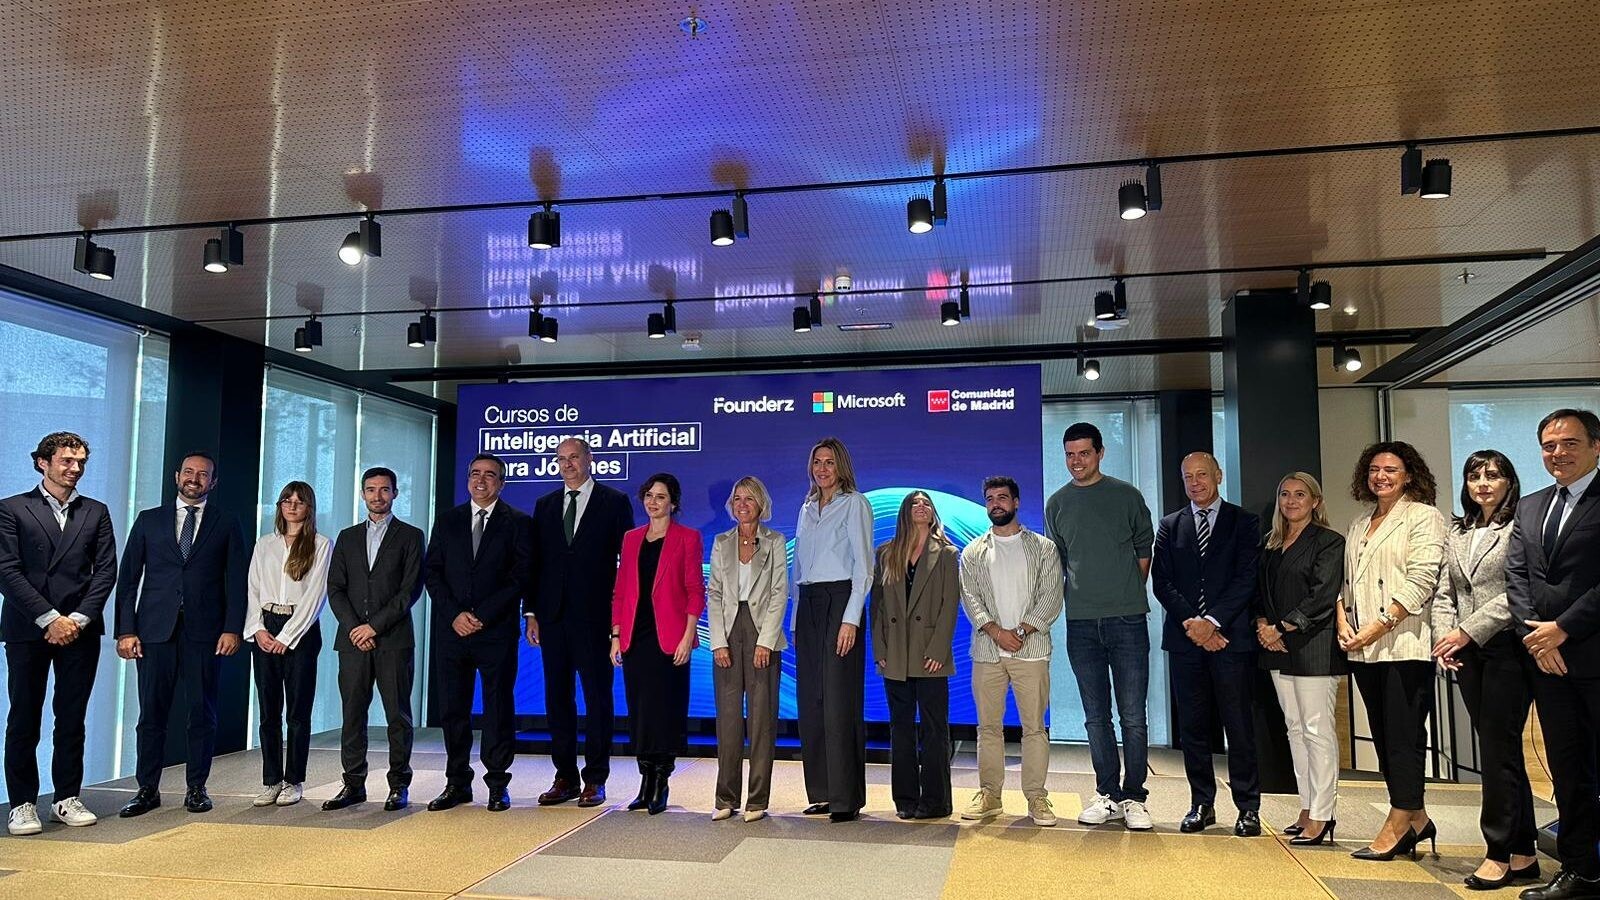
736,687
1029,681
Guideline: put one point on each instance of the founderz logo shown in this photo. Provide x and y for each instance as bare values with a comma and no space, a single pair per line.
828,401
762,404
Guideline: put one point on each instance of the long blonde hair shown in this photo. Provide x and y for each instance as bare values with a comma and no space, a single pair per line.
842,465
896,554
1280,525
303,552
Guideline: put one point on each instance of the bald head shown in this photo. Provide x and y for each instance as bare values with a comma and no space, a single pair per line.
1202,477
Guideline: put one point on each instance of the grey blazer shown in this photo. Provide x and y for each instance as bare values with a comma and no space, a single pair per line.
1472,587
907,630
769,590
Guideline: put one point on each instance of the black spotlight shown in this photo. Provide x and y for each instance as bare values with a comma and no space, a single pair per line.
214,261
1131,200
549,330
430,326
721,228
741,217
919,215
535,323
225,251
414,335
656,324
802,320
966,303
941,209
1436,179
816,309
365,241
1321,296
1345,358
669,318
949,313
1105,306
313,331
302,342
544,229
94,260
1088,368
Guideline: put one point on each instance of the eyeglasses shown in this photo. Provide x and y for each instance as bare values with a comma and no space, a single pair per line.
293,502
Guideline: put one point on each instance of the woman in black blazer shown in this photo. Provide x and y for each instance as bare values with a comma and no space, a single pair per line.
1299,579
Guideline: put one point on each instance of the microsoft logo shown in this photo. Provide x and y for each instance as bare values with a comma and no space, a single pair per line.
822,401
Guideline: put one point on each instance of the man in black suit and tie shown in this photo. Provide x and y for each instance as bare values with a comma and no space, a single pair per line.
191,561
58,563
577,538
1553,587
477,572
374,577
1204,573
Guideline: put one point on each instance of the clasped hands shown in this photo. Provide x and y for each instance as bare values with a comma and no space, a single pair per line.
1204,633
1543,642
1270,637
62,631
466,624
722,658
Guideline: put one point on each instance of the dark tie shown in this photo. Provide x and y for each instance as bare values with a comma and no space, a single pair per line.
1202,530
569,519
1552,525
186,536
477,530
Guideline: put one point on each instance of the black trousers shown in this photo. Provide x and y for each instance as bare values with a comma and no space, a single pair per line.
829,689
1569,716
196,665
1399,698
287,679
1203,681
392,671
1498,688
658,703
571,651
919,745
28,665
461,663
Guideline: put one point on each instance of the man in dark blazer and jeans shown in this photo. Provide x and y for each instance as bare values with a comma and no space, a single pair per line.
58,563
477,574
180,609
1553,587
577,539
374,577
1204,573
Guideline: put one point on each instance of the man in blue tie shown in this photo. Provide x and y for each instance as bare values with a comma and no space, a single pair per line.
180,609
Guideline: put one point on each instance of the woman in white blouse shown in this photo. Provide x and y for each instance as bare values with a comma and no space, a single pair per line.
288,589
1392,557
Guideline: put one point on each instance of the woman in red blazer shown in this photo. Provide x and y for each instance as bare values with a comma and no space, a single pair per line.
654,613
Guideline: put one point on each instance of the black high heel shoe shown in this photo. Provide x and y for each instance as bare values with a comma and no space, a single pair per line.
1293,829
1326,837
1429,833
1406,846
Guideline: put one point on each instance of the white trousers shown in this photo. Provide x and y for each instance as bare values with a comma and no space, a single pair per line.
1308,709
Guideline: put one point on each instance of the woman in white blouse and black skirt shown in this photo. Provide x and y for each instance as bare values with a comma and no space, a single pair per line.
288,588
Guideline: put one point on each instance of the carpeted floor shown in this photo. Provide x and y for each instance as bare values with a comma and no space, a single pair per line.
302,852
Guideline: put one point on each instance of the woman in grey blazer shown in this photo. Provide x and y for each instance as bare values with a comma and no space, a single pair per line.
746,602
1478,644
916,591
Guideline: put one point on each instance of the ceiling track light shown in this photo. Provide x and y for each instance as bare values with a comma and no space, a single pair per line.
1152,187
1088,368
550,330
544,229
94,260
302,342
941,209
802,320
414,335
919,215
741,217
308,336
1346,358
949,313
1411,170
1436,179
365,241
535,323
224,251
669,318
721,228
816,308
1131,200
965,303
1105,306
656,325
430,326
1321,296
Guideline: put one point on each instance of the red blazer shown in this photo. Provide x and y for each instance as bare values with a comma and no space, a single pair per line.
678,592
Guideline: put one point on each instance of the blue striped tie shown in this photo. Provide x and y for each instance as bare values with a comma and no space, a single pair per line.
186,537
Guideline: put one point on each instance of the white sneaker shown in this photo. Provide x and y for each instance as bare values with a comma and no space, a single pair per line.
268,795
71,811
1040,811
24,819
1136,816
1101,809
983,805
290,795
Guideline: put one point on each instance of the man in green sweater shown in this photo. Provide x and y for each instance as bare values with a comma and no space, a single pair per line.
1102,529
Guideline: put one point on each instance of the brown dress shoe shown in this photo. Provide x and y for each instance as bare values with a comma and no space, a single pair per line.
593,795
561,790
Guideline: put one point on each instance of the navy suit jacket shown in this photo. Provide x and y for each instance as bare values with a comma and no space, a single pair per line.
490,586
43,567
575,582
1565,586
156,581
1228,574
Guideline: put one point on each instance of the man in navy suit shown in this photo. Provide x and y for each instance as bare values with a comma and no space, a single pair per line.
58,562
1204,573
180,609
1553,587
477,572
577,539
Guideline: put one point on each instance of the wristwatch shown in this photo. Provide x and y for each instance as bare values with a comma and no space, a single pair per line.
1020,632
1387,620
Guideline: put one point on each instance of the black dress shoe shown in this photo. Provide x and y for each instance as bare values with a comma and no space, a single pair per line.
1199,819
843,816
1565,886
1248,824
904,814
398,799
197,800
450,798
816,809
144,801
500,800
591,796
347,796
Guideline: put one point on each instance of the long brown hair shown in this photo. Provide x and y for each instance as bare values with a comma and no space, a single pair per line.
897,552
1280,525
303,552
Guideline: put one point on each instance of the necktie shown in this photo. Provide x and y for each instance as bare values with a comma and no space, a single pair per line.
186,536
1552,525
1202,530
477,530
569,519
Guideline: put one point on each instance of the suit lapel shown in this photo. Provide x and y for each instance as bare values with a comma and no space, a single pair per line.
70,536
1391,522
1585,509
1495,535
384,546
924,567
208,525
39,508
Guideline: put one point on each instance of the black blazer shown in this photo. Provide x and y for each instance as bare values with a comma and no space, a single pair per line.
491,586
209,587
1564,587
1300,586
1228,574
576,582
43,567
381,596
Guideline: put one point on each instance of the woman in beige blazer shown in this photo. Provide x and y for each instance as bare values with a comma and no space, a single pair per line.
747,601
916,592
1391,568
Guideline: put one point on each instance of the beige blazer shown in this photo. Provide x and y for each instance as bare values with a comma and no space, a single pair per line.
1472,587
907,630
769,590
1399,563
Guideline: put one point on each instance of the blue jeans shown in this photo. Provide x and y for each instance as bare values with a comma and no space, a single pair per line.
1114,651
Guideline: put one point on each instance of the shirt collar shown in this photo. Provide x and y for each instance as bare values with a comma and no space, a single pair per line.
1211,510
381,523
50,498
200,506
1581,486
584,490
489,508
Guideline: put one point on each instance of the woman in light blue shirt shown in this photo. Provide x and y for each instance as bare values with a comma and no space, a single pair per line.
833,569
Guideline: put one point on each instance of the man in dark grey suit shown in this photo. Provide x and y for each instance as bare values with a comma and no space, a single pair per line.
58,563
374,577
